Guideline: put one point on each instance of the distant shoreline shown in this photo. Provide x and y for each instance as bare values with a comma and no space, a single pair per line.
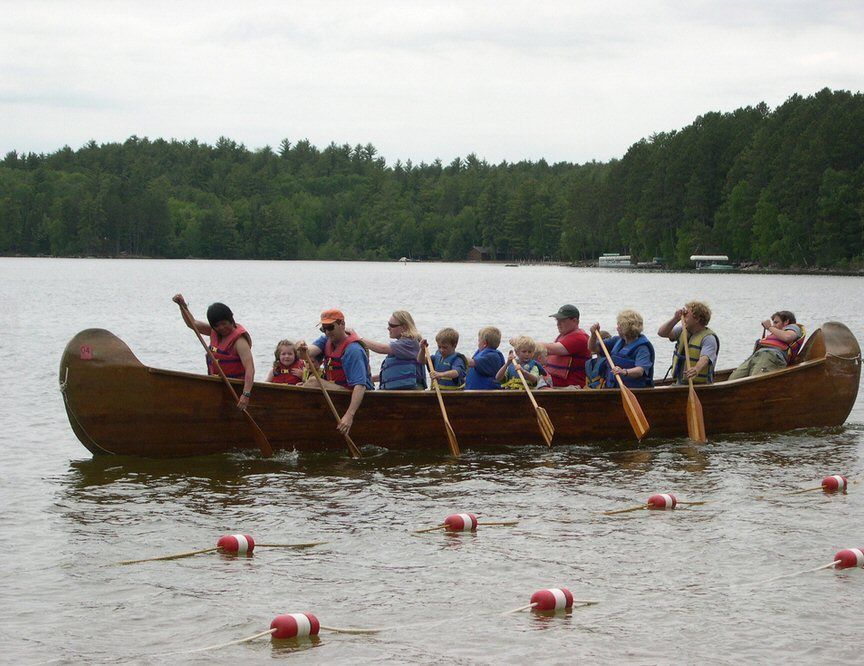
753,268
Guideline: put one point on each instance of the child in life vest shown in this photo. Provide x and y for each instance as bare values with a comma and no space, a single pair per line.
450,367
486,362
545,379
287,368
522,353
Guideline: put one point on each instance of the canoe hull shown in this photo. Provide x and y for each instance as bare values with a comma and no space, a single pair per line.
116,405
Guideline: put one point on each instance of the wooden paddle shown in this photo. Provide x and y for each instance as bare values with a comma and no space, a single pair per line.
257,433
631,405
695,420
547,430
352,447
451,436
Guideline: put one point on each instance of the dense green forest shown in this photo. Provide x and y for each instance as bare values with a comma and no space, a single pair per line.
782,187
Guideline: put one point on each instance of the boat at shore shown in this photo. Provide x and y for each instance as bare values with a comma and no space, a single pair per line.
118,406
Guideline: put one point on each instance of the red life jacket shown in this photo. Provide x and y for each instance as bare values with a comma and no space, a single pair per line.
333,370
568,370
789,351
283,375
226,355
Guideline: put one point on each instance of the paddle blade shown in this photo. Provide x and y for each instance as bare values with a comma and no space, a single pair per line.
451,439
546,427
634,413
259,436
695,420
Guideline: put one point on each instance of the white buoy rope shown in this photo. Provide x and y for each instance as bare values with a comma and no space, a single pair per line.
230,544
464,522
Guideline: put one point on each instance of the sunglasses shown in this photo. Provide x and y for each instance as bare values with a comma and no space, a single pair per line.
327,327
389,325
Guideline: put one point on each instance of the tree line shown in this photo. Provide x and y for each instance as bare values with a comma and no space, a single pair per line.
782,188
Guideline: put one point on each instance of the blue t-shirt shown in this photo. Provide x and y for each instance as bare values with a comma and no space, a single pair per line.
354,363
487,363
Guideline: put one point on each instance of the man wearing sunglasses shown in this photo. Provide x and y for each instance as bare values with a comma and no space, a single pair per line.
346,363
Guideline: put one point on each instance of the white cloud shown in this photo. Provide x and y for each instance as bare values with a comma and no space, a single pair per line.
563,81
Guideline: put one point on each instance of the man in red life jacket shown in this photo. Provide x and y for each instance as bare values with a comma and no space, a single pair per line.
777,348
346,363
230,344
565,360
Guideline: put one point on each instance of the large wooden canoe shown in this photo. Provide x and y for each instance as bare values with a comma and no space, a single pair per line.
116,405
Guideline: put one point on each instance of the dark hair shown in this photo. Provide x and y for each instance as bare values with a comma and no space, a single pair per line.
219,312
786,316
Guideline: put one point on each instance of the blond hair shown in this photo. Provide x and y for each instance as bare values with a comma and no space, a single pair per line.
491,336
447,336
409,328
630,323
699,310
524,342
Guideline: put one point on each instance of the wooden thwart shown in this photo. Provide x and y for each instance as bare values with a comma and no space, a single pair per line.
547,430
257,433
451,436
695,420
631,405
352,447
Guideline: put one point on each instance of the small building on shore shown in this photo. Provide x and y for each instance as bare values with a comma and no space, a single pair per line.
477,253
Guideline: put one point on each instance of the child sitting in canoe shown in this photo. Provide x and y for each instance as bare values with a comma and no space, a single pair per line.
486,362
287,368
522,353
545,380
450,366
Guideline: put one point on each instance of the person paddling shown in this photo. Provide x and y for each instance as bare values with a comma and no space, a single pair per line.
703,343
566,356
631,352
230,344
346,363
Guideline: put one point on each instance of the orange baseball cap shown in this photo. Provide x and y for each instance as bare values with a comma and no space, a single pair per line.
331,316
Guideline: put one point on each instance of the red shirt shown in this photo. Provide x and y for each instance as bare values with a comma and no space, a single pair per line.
569,370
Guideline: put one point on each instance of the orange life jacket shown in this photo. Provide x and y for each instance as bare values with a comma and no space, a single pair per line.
790,351
333,370
226,354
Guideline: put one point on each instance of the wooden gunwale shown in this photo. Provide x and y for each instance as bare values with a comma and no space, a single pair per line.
117,405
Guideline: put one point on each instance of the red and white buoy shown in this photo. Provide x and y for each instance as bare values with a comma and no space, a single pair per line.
460,522
238,544
849,558
295,625
662,501
834,484
552,599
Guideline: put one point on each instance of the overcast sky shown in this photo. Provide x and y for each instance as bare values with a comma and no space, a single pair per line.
565,81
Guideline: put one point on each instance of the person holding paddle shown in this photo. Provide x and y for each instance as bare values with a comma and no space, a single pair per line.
230,344
631,352
566,356
703,345
346,364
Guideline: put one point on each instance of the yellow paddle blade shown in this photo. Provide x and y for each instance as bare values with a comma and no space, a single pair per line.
634,413
547,430
695,420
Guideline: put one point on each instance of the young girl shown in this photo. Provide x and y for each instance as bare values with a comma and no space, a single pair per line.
287,368
522,352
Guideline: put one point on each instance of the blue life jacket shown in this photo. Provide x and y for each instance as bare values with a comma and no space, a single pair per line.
445,365
625,356
595,372
474,381
401,374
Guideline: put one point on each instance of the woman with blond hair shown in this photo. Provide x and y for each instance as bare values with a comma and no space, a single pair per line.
631,352
400,370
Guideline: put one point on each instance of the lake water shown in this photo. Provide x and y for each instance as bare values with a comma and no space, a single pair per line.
674,587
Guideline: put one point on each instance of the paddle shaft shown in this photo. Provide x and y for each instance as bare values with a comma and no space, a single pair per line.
695,420
631,405
451,436
543,420
260,437
352,447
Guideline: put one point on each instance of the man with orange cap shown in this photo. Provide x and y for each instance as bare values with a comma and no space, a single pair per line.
346,363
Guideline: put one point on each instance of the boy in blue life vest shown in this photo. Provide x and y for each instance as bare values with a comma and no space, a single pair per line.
450,366
522,353
486,362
